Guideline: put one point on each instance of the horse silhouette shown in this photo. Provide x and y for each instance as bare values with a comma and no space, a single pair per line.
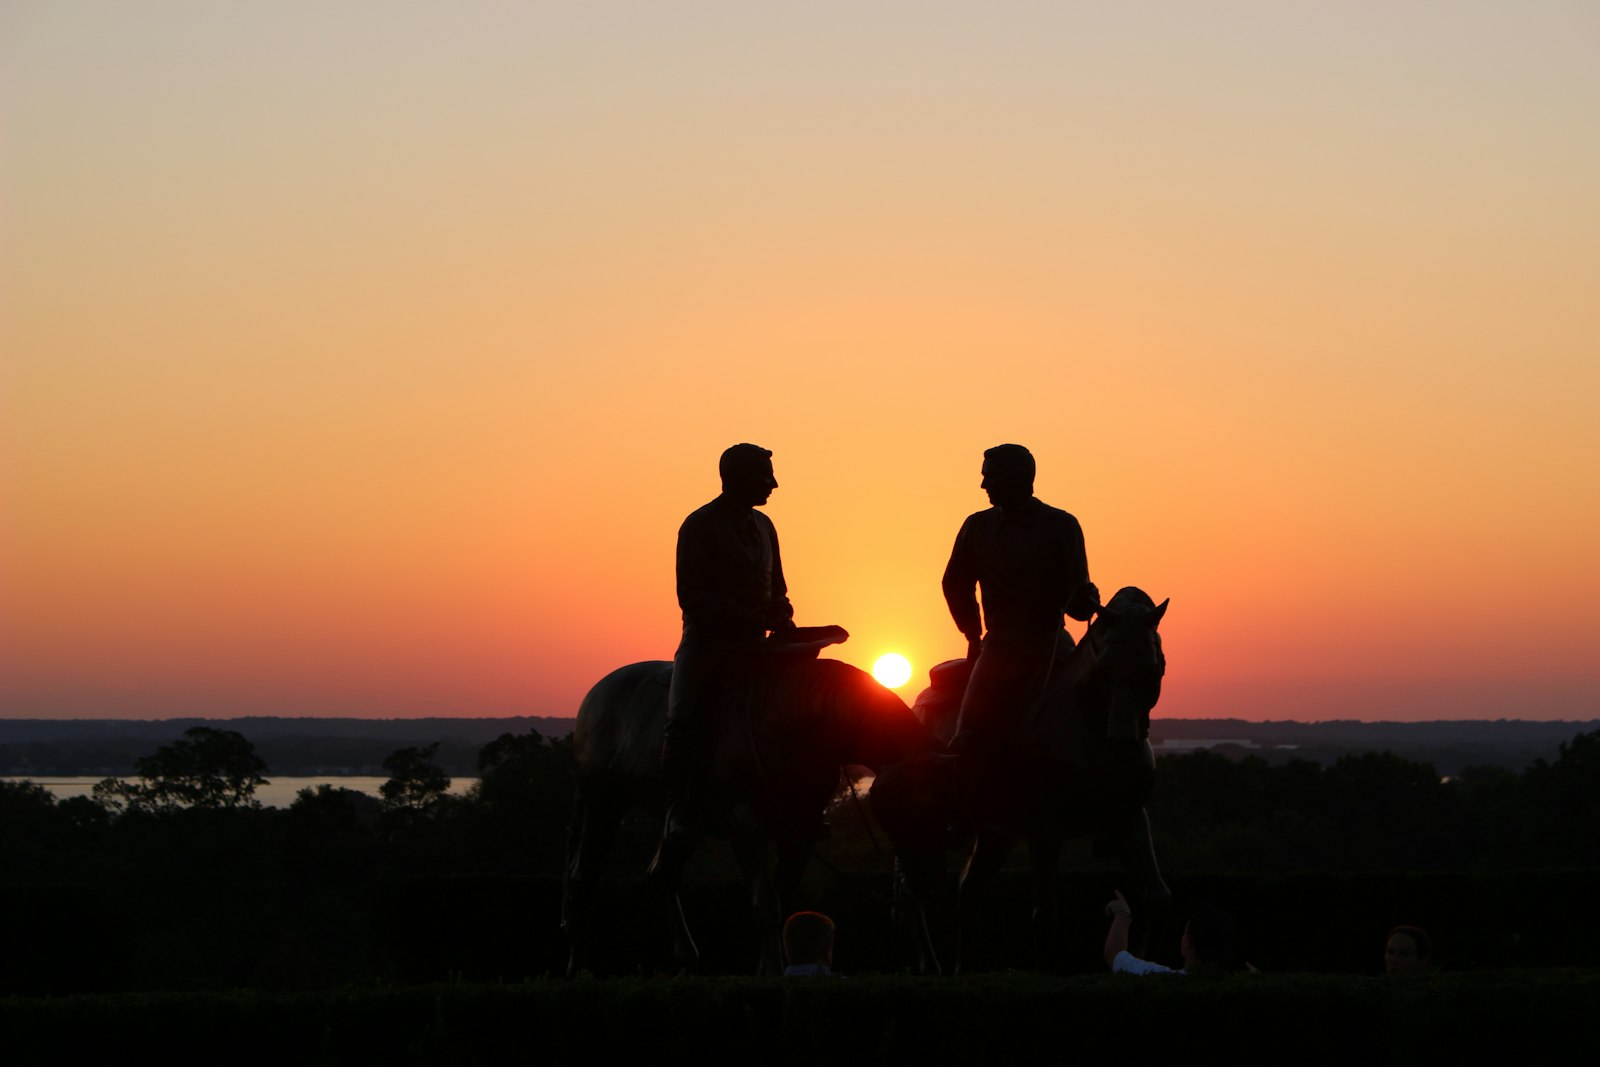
786,733
1082,766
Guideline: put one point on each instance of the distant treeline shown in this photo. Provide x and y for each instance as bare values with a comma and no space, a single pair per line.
176,880
1450,746
313,746
1376,810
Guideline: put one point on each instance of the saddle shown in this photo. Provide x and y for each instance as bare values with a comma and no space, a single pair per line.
804,641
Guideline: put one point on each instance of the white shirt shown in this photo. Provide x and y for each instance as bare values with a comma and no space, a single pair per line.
1126,962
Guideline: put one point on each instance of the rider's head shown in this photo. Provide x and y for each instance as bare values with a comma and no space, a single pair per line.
1008,474
808,938
747,476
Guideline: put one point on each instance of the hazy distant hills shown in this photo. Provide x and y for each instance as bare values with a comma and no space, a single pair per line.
299,746
296,746
259,728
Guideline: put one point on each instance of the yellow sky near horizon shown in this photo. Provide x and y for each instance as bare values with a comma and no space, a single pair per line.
363,359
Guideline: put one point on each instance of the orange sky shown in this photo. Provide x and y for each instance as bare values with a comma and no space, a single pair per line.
363,361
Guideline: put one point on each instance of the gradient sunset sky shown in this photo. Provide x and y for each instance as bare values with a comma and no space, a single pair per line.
362,357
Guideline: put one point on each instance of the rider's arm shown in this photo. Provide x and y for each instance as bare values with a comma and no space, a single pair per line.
780,615
1083,599
960,582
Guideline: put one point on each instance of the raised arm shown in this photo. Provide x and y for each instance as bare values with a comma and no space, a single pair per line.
1117,937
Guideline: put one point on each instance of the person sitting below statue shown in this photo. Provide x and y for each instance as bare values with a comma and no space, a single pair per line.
1028,561
808,945
732,592
1408,950
1206,946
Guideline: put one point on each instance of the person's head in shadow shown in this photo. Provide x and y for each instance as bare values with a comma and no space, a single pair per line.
747,476
1207,943
1008,472
808,944
1407,950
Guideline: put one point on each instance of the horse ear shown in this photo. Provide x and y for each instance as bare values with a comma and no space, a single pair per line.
1161,609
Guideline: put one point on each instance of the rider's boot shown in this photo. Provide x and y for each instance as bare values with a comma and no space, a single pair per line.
683,767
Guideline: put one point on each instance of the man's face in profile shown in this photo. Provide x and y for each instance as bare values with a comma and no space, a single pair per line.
753,484
1004,486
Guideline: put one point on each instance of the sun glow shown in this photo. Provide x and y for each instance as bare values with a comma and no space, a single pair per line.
892,670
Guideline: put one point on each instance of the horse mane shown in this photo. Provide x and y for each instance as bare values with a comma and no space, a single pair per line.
841,707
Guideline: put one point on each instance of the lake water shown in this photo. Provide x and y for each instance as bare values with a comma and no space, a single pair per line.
277,793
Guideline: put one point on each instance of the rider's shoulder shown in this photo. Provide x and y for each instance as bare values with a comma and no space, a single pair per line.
714,512
986,517
1055,515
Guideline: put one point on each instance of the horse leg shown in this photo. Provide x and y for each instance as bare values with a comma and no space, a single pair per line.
910,917
666,875
766,912
908,802
1043,856
794,852
595,818
1152,898
989,852
573,890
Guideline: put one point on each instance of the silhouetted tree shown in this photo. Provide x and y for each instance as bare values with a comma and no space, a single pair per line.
332,834
206,769
26,796
29,819
334,809
524,797
416,784
1563,803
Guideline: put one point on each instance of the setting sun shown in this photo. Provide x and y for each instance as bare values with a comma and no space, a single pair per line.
892,670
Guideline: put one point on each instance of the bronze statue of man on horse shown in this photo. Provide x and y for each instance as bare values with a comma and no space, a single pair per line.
1050,738
1028,559
737,623
743,735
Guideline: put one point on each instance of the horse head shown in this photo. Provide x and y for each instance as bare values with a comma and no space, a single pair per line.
1128,663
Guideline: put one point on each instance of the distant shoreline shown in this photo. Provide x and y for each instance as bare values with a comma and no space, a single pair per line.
279,791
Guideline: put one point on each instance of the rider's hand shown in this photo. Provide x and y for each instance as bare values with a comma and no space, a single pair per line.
974,646
1084,602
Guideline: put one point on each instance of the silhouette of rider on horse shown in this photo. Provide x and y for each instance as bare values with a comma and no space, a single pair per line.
1029,561
736,613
